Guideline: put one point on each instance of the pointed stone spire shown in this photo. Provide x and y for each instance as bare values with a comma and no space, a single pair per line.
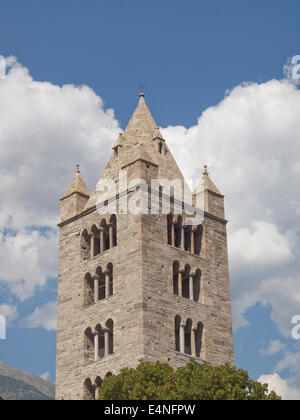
140,152
206,184
141,125
77,185
207,196
75,198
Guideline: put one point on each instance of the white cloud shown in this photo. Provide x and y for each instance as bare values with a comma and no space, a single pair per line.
43,317
10,312
250,141
275,346
261,245
289,388
44,130
283,294
280,386
27,259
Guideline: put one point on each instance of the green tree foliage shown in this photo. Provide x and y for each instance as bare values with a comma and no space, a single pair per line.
193,382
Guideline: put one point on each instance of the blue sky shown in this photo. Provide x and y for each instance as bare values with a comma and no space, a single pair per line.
187,54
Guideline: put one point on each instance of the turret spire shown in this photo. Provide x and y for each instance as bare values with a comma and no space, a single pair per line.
205,171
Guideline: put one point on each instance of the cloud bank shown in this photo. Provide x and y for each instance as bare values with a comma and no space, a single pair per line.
250,141
44,131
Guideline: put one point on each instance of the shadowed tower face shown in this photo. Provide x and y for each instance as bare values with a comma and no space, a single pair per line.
140,281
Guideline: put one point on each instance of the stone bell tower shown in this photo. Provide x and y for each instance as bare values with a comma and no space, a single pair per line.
139,284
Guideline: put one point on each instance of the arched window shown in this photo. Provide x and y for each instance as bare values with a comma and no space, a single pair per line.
88,345
88,290
177,332
197,286
98,383
113,233
89,390
199,340
85,244
186,282
188,337
101,283
175,277
187,238
101,343
198,236
110,336
109,285
178,232
95,238
99,333
104,236
170,229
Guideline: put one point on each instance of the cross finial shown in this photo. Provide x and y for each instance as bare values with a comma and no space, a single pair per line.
205,170
78,169
141,88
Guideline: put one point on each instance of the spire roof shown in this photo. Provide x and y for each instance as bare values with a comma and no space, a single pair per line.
77,186
206,183
141,125
138,143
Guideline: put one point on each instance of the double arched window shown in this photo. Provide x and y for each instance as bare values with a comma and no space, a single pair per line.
92,387
189,337
186,237
187,283
98,286
99,342
99,238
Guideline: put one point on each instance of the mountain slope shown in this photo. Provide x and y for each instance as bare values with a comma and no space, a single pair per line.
18,385
12,389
